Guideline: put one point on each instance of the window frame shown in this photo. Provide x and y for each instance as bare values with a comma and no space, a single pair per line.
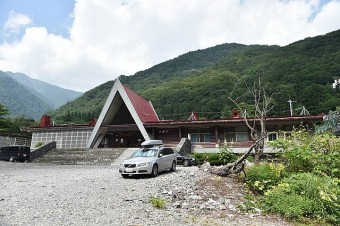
206,137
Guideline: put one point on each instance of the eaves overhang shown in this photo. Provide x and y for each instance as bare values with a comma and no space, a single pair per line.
275,120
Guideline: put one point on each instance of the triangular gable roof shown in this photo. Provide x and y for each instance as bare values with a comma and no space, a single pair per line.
140,110
144,108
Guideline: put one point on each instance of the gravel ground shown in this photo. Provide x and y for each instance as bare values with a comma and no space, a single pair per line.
37,194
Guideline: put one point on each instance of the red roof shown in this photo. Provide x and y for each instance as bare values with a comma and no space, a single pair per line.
144,108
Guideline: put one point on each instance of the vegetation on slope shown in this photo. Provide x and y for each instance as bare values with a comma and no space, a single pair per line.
305,186
13,125
201,81
85,108
51,94
24,99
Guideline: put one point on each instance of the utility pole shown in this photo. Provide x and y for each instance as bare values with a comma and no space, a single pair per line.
336,85
291,106
304,111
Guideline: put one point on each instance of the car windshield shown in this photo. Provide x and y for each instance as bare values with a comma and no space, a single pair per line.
145,153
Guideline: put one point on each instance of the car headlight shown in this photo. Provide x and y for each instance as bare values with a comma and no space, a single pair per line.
143,164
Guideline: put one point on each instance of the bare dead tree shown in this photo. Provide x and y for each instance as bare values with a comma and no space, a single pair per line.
263,104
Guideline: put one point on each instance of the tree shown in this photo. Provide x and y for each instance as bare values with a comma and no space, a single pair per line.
262,103
3,121
16,124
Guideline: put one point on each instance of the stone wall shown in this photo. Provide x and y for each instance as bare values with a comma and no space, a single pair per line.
42,150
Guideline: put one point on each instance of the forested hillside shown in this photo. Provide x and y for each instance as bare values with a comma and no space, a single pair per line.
30,98
202,80
51,94
24,99
83,109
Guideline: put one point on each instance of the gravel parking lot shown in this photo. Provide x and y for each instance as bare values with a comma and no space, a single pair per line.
37,194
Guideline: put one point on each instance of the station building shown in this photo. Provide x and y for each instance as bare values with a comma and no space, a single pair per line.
127,120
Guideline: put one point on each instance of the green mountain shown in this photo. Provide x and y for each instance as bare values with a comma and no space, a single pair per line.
51,94
202,80
19,100
31,98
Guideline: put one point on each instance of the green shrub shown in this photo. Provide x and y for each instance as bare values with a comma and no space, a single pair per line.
262,176
225,155
213,158
157,202
304,152
39,144
305,195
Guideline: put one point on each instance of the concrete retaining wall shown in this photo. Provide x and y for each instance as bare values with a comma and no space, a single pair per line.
37,153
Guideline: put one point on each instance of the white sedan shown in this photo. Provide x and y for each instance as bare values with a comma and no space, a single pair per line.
150,159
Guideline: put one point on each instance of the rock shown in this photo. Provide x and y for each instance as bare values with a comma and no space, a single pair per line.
185,205
221,200
195,197
257,210
232,207
222,207
177,205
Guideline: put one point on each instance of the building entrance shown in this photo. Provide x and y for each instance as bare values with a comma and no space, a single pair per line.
124,139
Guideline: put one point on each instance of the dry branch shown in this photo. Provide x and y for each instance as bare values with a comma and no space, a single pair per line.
235,167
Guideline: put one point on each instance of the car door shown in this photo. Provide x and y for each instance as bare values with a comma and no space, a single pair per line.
170,157
162,163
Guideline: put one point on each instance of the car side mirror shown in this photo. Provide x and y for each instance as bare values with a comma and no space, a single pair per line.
160,155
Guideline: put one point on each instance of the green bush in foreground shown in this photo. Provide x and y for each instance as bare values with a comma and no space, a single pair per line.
304,152
306,187
305,195
263,176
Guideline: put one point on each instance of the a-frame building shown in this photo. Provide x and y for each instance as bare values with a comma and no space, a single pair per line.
121,121
127,120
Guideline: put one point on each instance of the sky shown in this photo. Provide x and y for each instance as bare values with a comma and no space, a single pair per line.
80,44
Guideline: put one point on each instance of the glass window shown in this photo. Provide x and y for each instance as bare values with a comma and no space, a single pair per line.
145,153
236,137
200,137
272,136
241,137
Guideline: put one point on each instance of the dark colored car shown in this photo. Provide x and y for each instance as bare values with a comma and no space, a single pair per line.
15,153
185,160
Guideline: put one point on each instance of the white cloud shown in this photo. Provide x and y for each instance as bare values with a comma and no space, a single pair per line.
16,21
328,19
110,38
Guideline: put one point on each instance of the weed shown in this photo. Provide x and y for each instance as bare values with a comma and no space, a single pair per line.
263,176
305,195
157,202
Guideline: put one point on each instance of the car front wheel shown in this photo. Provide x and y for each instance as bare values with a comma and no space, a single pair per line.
186,163
154,172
